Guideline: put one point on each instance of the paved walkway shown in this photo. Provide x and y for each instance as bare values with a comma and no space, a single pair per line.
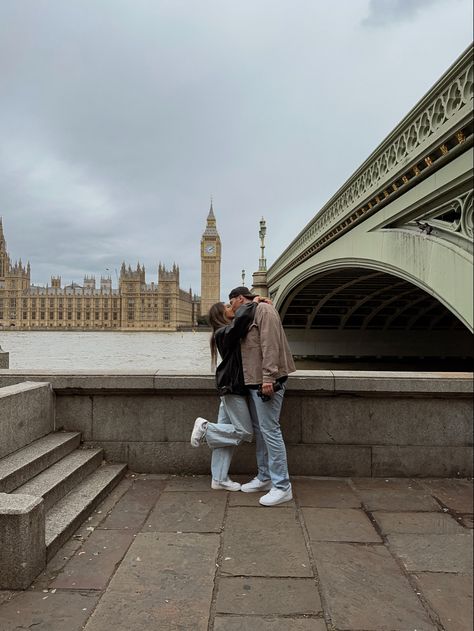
167,553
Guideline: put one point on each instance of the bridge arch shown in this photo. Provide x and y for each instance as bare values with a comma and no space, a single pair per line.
358,307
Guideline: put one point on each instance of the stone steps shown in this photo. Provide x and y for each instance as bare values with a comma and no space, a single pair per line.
48,485
24,464
59,479
69,512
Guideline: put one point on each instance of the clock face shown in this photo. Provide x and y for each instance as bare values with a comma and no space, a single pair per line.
210,249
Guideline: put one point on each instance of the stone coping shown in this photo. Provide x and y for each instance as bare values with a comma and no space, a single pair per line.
309,381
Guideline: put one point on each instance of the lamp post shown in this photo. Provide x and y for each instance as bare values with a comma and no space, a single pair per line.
262,263
260,277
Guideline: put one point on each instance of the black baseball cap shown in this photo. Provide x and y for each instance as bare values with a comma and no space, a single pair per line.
241,291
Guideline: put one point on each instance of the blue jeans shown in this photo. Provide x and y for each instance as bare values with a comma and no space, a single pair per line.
271,452
234,425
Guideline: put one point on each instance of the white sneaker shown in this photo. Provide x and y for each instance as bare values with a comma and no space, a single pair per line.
225,485
276,496
199,431
256,485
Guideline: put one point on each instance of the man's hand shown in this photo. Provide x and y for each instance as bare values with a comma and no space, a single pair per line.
267,389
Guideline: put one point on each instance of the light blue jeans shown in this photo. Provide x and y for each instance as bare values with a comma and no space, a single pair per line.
234,425
271,452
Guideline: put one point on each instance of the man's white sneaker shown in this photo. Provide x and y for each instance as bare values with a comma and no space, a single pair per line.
225,485
256,485
199,431
276,496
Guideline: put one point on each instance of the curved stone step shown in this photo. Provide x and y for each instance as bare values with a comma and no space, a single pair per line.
24,464
60,478
67,514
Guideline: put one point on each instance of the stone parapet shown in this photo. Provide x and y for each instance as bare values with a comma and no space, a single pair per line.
335,423
329,382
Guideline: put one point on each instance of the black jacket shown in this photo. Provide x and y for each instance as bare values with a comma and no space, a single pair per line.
229,373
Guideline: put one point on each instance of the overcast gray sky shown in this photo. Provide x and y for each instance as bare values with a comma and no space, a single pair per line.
120,118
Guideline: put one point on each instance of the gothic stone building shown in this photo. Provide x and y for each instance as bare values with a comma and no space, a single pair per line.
135,305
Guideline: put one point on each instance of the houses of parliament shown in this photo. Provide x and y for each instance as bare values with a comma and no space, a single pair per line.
134,305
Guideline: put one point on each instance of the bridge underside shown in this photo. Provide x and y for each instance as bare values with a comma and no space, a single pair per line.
356,312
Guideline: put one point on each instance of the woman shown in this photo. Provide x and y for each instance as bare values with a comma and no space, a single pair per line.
234,424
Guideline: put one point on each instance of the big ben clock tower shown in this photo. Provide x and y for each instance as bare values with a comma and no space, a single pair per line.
210,264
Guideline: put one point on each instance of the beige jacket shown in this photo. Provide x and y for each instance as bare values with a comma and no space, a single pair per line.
266,355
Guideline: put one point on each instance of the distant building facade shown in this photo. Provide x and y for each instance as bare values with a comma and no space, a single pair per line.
210,264
135,305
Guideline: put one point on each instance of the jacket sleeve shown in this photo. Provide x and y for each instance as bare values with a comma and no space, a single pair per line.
229,336
269,325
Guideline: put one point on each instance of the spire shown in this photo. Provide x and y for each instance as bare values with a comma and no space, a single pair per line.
2,237
211,229
211,215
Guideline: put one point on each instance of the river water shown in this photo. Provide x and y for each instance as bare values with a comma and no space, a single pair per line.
186,352
77,350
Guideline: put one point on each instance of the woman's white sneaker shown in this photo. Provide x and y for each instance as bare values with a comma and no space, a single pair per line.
276,496
199,431
225,485
256,485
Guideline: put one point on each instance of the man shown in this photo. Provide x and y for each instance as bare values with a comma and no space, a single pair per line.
267,362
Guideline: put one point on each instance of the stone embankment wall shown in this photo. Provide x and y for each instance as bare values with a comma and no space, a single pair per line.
334,423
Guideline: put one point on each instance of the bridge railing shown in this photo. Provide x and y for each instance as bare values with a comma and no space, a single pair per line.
432,131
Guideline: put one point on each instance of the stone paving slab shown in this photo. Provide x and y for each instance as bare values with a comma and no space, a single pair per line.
434,553
339,524
364,589
264,542
5,595
252,499
266,550
387,484
189,483
248,623
164,582
417,523
188,512
268,596
92,567
39,611
467,521
399,501
455,494
325,493
132,509
450,596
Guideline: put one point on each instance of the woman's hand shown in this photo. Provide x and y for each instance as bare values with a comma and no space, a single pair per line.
258,299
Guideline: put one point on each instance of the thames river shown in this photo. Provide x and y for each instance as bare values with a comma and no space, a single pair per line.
186,352
77,350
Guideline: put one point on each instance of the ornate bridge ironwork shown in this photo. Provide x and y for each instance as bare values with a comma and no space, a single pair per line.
388,261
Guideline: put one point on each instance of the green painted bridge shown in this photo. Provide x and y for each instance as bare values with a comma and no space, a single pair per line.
385,267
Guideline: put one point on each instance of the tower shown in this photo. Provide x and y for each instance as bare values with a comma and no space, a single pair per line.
210,264
4,258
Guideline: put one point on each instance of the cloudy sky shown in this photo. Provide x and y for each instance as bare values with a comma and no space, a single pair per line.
120,118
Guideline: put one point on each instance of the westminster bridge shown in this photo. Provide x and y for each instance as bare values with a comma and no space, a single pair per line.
385,267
